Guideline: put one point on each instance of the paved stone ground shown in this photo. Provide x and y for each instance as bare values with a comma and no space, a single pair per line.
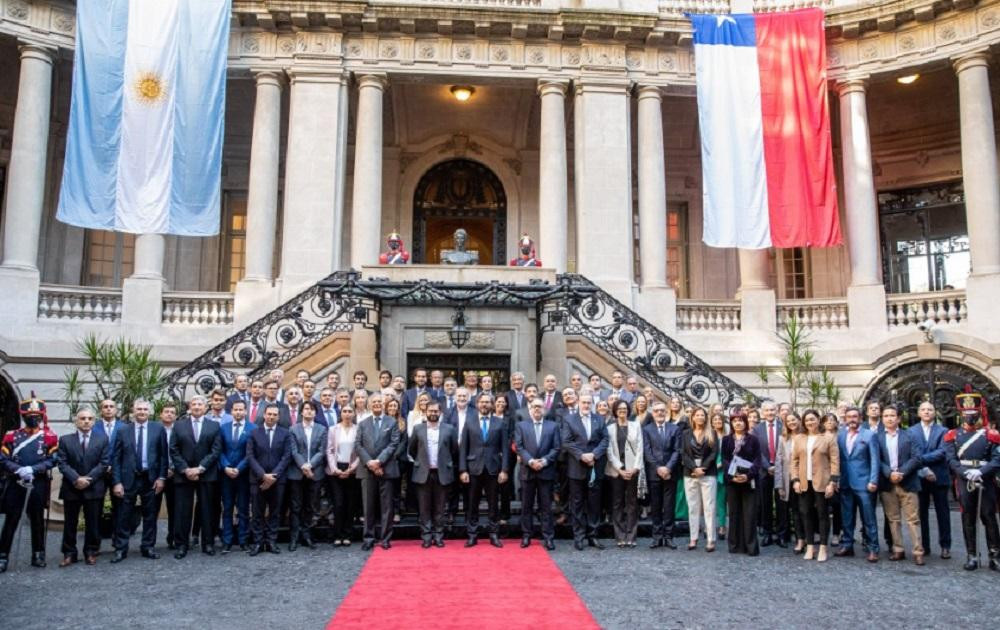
676,589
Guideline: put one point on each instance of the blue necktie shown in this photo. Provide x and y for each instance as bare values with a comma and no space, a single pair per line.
486,427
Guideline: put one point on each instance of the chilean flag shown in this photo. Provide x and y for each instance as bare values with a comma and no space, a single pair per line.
767,163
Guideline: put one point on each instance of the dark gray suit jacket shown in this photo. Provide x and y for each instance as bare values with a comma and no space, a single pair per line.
299,451
74,464
447,453
491,455
377,443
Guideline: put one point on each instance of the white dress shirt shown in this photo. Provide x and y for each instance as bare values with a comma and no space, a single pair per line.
810,445
892,446
433,436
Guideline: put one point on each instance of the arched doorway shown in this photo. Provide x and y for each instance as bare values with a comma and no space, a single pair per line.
937,381
456,194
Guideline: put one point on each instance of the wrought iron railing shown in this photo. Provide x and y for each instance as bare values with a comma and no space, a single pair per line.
573,306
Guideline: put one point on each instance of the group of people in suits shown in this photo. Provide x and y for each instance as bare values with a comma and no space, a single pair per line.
239,463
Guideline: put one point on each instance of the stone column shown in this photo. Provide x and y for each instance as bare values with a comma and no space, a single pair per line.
657,299
311,228
28,159
982,190
142,292
603,184
866,293
262,196
758,306
149,253
366,213
553,223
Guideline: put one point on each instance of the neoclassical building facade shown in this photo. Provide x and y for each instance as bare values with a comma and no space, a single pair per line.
573,121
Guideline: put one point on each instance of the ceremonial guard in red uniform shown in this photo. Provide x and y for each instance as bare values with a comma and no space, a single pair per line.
974,457
396,255
26,456
526,254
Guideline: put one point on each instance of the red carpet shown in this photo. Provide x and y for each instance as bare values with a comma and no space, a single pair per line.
454,587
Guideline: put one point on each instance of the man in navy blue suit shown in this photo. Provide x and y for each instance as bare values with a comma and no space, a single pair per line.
661,445
584,438
898,484
241,391
269,451
482,462
859,472
537,443
934,476
235,477
419,386
138,470
108,425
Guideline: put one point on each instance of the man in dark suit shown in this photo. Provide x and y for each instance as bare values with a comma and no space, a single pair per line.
661,445
935,478
515,396
419,387
195,445
306,474
269,452
107,425
138,470
524,413
482,463
168,416
899,460
377,444
83,458
434,450
235,477
598,391
774,511
551,396
271,391
537,443
584,439
241,391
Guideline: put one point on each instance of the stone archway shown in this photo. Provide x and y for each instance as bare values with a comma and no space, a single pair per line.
9,401
937,381
460,193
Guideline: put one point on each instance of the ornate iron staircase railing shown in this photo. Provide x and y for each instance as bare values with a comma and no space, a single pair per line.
573,306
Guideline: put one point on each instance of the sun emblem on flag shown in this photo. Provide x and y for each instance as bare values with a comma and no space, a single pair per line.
150,88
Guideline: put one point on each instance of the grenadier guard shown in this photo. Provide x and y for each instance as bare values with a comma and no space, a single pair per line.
974,457
526,254
396,255
26,456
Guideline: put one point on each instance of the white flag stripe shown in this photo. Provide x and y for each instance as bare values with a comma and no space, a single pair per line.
146,158
735,204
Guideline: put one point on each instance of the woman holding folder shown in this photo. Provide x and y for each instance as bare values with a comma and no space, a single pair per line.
740,453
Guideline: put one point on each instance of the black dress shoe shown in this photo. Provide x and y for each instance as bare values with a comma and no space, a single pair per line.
994,565
119,556
3,562
971,564
273,549
471,542
578,545
149,553
669,544
170,545
254,550
495,541
426,544
438,542
368,545
946,554
550,545
593,542
525,541
656,544
781,543
386,544
208,551
243,547
292,546
226,549
38,559
308,543
180,553
767,542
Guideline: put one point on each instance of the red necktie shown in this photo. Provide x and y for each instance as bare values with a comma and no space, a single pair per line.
770,439
253,413
294,414
548,401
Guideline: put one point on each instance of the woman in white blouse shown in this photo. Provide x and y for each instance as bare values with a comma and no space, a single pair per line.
418,414
625,470
341,461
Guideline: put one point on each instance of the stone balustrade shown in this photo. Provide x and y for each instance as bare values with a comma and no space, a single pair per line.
708,315
198,308
910,309
816,314
680,7
59,302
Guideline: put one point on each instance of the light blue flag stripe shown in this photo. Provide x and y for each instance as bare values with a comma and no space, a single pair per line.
199,117
87,196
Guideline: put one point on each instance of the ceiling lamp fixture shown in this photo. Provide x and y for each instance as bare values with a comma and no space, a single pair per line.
462,92
908,79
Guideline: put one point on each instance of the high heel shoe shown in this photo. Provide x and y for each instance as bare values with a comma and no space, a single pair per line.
809,552
692,545
821,556
799,546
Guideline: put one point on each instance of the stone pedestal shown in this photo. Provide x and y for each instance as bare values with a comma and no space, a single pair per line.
658,305
253,299
142,308
982,292
758,311
19,288
866,310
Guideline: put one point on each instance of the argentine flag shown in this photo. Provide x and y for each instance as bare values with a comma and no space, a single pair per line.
144,148
764,117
